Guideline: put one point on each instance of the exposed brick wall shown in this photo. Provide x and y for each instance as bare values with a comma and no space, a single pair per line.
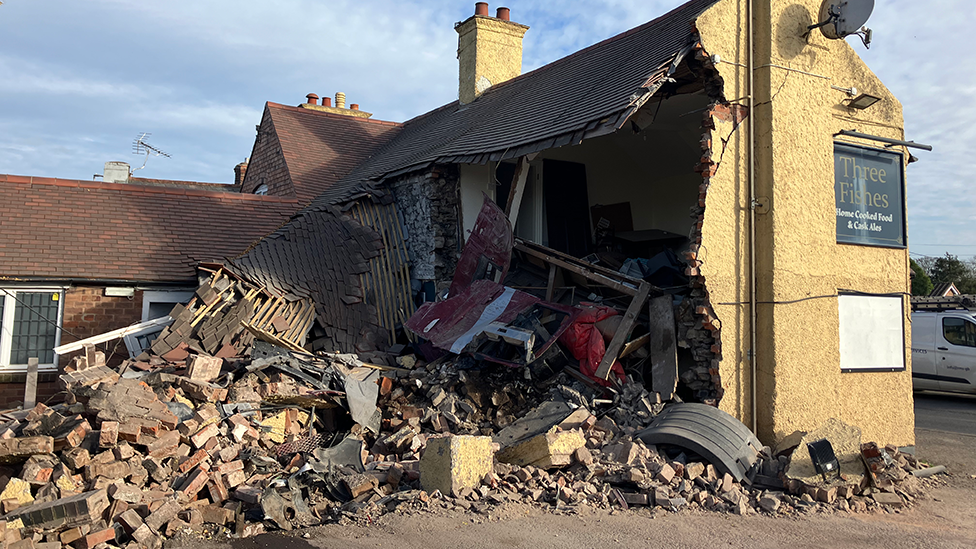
12,389
430,206
267,164
88,312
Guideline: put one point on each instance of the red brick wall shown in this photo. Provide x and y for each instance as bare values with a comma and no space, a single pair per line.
267,164
12,389
87,312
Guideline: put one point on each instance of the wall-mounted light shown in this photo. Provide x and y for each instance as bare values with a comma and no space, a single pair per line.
120,292
863,101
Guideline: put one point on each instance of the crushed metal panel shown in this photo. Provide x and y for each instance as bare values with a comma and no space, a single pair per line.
709,432
452,324
489,248
361,394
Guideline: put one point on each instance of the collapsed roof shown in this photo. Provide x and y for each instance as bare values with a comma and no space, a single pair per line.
322,252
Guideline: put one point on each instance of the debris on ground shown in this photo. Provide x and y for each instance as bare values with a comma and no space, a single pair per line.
228,424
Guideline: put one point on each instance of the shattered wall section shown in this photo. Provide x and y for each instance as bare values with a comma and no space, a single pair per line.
699,328
429,204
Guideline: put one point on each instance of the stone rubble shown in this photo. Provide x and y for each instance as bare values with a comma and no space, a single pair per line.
130,461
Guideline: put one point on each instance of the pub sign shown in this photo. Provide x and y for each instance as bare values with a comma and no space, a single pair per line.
870,196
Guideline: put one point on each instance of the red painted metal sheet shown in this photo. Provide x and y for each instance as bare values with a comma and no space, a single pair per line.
453,323
491,241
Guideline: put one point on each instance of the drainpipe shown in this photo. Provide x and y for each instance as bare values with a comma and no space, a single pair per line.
753,314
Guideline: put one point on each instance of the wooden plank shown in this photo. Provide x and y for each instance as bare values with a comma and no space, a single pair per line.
632,346
539,250
584,272
114,334
664,348
518,190
30,388
551,284
623,331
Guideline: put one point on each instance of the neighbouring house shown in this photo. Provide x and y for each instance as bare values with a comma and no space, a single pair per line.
85,257
81,258
789,220
945,289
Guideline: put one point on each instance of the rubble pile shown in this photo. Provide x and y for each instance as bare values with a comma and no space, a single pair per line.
284,440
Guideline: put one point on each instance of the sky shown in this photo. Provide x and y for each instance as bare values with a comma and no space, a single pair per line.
80,80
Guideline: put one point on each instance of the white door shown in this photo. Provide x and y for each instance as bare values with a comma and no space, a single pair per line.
956,362
924,376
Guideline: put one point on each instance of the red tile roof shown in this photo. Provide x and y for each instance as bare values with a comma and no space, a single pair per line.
65,229
321,148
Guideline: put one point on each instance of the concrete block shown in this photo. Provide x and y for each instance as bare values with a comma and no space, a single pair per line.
450,464
546,451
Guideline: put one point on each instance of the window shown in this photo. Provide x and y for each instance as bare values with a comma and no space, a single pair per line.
155,304
30,321
958,331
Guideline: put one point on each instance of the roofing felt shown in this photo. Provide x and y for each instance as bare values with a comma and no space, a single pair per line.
321,148
589,93
65,229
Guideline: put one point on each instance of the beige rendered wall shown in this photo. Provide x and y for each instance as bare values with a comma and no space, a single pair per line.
800,384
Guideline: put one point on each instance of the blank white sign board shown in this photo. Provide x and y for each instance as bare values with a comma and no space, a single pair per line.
872,333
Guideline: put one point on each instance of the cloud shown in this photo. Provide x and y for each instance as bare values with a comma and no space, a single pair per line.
81,79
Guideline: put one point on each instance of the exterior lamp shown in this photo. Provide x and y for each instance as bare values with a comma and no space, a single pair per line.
863,101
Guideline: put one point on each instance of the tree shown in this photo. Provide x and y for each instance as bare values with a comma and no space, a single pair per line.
921,283
951,269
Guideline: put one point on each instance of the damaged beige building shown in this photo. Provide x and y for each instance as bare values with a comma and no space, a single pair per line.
778,230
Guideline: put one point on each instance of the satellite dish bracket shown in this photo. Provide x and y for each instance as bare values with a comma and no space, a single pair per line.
834,15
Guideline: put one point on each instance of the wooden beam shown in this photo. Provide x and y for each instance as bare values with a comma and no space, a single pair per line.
518,190
623,331
664,348
30,388
582,271
551,285
114,334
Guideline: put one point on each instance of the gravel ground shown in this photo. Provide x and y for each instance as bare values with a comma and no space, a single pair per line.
945,517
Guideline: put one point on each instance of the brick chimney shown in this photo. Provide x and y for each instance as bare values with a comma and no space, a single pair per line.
239,171
489,51
311,103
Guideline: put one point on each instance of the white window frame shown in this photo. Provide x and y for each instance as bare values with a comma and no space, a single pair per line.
148,298
163,296
7,323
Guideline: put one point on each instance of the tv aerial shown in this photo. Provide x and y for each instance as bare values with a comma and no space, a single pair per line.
139,146
842,18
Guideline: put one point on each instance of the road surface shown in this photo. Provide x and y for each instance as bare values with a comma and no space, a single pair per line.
946,412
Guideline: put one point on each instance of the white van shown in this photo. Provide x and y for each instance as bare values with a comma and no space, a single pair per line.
944,351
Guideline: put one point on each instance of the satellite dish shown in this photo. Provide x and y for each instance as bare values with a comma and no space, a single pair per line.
842,18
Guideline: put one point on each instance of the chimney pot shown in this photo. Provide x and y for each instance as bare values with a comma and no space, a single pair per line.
326,101
481,8
340,100
312,99
504,14
354,106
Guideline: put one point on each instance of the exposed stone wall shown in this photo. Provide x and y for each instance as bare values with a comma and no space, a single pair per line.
429,205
